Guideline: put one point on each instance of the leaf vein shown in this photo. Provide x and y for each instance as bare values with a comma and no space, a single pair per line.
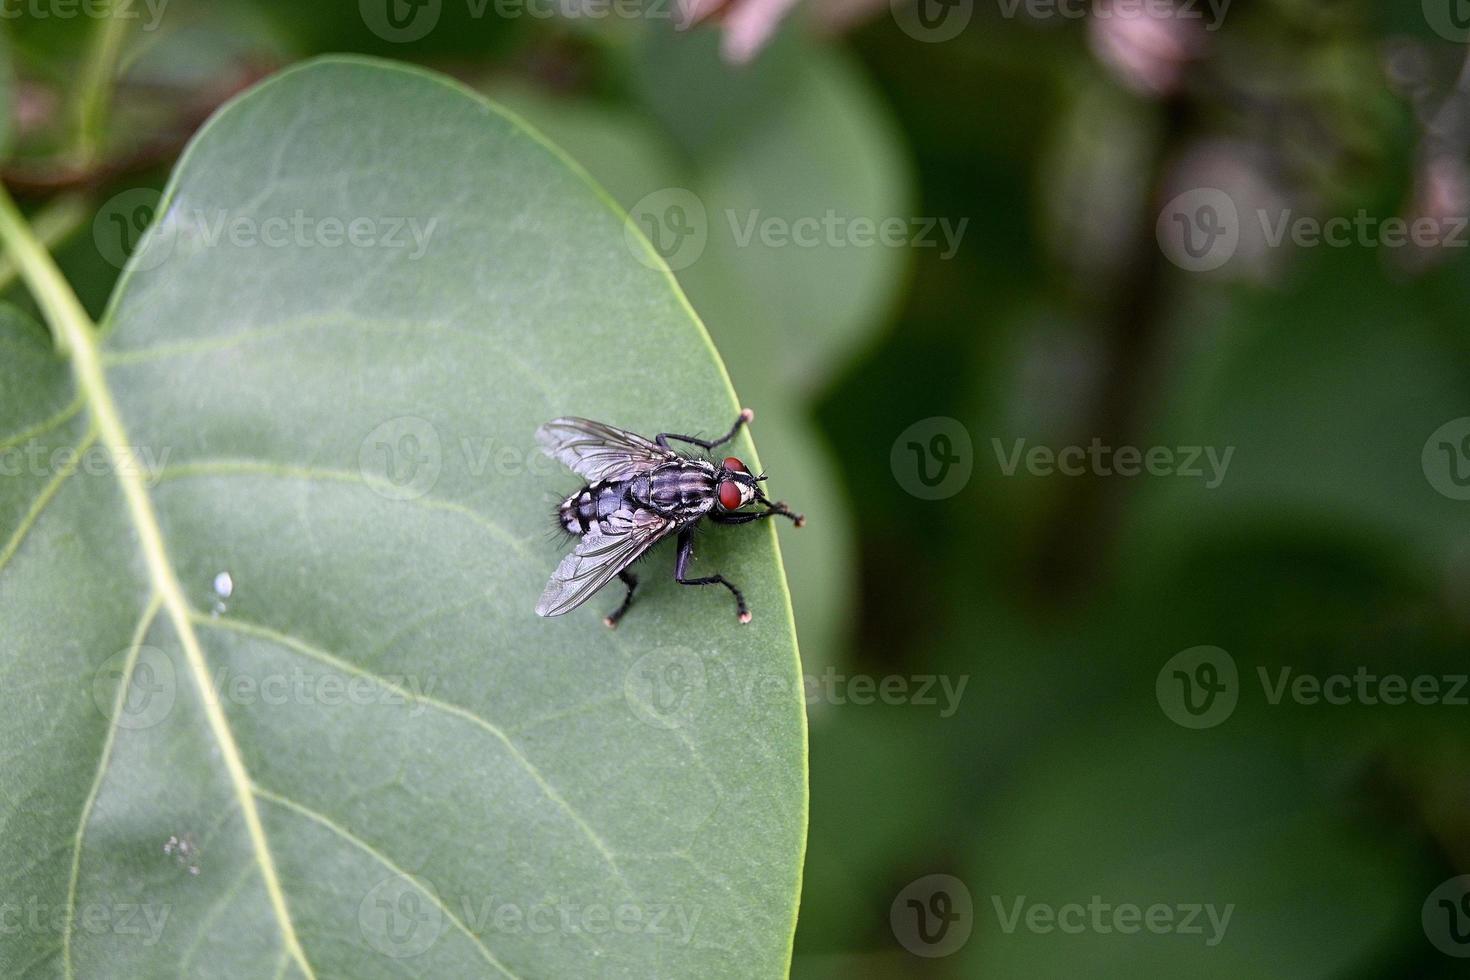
47,494
125,678
325,821
62,417
337,663
287,471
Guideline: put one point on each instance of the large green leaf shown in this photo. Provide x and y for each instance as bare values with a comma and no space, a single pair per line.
344,743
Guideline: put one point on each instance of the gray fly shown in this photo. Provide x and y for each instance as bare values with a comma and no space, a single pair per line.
638,492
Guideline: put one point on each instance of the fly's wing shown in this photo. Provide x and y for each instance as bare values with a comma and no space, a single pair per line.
596,451
599,556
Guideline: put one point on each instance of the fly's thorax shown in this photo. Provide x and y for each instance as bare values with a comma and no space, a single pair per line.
684,489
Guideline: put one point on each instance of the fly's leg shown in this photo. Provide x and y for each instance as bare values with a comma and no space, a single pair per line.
681,568
777,509
745,416
631,581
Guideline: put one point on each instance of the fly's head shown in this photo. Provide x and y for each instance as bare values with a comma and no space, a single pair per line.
735,485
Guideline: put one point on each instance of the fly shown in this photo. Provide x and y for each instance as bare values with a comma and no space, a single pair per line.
639,492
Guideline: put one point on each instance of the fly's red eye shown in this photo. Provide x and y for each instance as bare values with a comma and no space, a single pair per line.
729,495
734,465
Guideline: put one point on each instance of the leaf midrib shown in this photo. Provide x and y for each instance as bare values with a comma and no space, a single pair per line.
76,338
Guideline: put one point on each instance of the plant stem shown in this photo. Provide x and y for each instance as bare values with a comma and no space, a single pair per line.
77,336
60,306
53,224
94,93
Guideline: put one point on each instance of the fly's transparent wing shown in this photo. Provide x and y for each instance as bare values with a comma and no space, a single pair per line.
596,451
603,552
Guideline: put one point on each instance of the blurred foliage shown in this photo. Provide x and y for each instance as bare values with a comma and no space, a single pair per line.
1058,321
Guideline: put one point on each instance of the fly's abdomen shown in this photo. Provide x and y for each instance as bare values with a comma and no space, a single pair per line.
583,509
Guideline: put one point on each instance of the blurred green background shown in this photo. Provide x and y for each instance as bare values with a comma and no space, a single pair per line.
1085,202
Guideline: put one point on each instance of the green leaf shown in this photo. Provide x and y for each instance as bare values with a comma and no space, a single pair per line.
803,140
344,743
